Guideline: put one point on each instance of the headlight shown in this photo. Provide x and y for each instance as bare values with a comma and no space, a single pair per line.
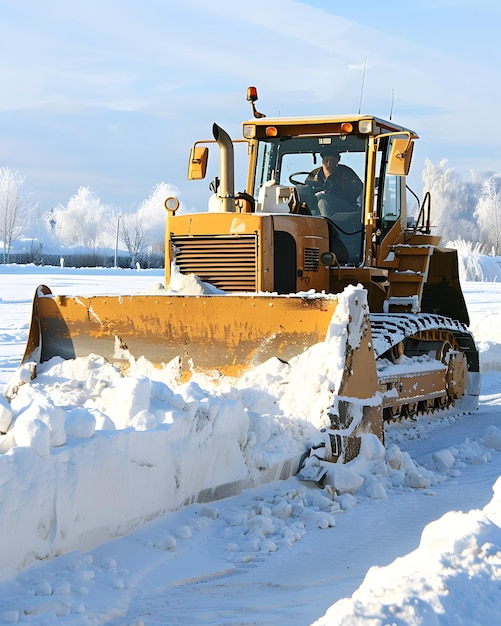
249,131
328,258
365,127
171,204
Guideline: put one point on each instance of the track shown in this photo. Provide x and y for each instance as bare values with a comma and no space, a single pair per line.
426,363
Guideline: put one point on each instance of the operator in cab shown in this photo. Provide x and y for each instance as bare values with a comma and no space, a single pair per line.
337,188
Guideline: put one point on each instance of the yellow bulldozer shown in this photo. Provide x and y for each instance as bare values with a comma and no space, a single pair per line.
324,209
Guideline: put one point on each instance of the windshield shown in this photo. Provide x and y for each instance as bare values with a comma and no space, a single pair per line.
328,174
280,159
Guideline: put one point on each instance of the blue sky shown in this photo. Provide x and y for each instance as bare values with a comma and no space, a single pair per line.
111,94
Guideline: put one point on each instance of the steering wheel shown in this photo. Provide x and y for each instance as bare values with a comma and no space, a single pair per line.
297,182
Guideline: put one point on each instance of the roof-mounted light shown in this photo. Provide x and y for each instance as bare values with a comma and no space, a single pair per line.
251,94
365,127
346,127
252,97
271,131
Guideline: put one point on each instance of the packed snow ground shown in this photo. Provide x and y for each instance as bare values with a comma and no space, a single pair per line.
83,546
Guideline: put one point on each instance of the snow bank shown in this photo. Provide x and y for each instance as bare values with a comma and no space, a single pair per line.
473,265
117,451
453,577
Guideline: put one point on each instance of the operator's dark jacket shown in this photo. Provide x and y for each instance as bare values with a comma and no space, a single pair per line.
342,183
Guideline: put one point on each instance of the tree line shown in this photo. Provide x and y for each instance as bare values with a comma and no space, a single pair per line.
462,210
84,228
468,210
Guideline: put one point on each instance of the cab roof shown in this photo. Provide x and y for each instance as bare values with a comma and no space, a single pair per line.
380,125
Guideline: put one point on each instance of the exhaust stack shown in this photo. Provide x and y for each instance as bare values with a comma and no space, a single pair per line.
223,200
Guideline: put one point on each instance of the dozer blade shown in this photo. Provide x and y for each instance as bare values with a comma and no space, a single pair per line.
228,333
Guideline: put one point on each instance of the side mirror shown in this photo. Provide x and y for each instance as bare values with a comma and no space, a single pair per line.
197,166
400,157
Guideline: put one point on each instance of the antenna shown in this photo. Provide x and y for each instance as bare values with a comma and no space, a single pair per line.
362,89
392,100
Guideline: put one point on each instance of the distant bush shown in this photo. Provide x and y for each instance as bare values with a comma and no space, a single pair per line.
88,259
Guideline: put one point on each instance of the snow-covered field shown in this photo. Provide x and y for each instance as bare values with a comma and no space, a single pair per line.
414,537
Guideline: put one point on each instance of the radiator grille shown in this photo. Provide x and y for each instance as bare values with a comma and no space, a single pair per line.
311,259
227,262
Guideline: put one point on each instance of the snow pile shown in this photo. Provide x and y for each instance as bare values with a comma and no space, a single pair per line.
378,470
473,265
101,452
279,520
457,566
189,284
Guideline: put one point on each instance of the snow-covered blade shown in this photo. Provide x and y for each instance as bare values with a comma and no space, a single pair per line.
228,334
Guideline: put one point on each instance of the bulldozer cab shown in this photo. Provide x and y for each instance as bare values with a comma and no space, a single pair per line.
367,199
364,209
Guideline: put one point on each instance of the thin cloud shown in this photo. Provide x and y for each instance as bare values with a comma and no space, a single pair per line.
168,71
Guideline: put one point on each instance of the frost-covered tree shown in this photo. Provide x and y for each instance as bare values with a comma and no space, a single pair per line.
488,214
83,221
10,204
143,230
453,201
132,234
35,226
152,214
